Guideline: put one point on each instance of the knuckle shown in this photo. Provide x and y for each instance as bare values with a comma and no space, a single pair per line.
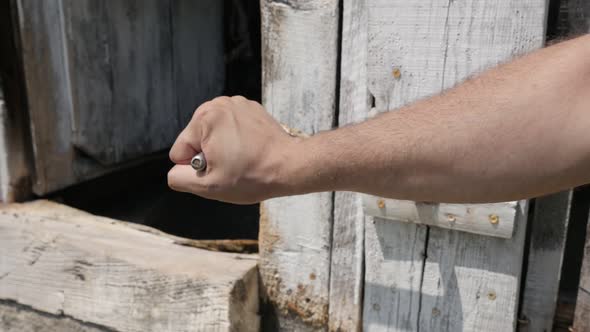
172,156
221,100
203,112
239,98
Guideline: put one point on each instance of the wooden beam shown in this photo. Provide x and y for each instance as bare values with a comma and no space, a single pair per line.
66,262
494,219
300,52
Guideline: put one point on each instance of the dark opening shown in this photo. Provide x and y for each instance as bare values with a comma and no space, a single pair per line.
140,194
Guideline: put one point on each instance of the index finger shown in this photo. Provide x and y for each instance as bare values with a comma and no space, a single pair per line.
188,142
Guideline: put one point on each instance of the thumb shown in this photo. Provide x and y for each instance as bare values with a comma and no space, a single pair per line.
184,178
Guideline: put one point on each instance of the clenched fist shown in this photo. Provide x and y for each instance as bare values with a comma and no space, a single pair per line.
245,148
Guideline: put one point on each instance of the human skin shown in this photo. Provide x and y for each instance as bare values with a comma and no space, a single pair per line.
516,131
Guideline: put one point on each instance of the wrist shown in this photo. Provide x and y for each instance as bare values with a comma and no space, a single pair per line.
289,174
309,164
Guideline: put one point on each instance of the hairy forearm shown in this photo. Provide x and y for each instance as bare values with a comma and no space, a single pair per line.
516,131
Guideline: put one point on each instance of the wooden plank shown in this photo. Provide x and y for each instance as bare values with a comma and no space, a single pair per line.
109,82
119,60
347,259
299,47
418,49
49,102
394,255
15,177
473,281
136,86
579,20
494,219
15,170
547,243
198,54
404,64
582,313
67,262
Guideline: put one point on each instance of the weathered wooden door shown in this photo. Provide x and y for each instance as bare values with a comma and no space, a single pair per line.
109,82
328,264
420,277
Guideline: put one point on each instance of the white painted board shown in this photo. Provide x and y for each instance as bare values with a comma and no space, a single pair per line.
442,280
347,262
300,53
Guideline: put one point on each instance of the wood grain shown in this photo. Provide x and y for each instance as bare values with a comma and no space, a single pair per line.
15,147
494,219
444,280
547,243
15,173
111,82
119,59
64,261
347,261
50,109
478,35
582,312
404,62
17,318
300,52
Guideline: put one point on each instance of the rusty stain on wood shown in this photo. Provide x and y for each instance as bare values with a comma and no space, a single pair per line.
396,72
237,246
302,303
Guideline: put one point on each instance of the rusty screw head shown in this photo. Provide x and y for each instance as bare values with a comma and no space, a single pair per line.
494,219
491,295
381,203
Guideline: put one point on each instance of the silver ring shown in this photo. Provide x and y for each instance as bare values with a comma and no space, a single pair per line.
199,163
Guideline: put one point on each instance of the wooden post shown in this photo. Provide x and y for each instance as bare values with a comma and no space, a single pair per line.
300,52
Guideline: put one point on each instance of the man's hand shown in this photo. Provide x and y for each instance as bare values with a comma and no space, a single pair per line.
245,148
517,131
